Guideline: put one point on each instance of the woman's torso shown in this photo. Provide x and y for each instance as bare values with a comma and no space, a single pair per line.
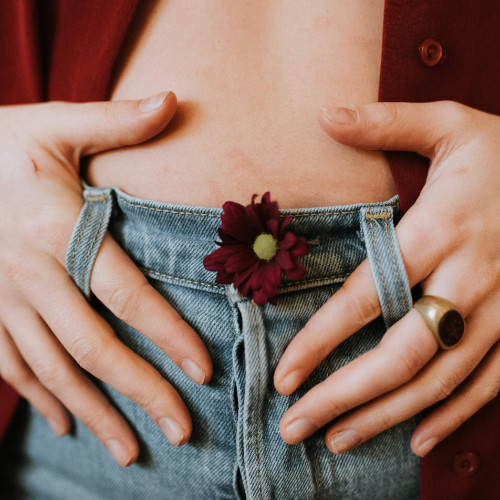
250,77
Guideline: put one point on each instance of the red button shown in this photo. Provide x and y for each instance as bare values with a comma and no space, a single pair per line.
431,52
466,463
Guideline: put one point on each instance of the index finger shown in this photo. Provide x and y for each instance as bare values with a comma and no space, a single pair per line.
124,290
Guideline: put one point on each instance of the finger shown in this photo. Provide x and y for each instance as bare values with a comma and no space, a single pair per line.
95,347
58,373
16,372
440,378
89,128
481,388
392,363
423,246
122,288
400,126
353,306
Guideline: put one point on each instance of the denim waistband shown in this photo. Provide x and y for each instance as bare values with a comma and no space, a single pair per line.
168,242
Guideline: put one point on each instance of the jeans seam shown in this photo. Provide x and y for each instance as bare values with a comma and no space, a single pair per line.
147,270
170,211
330,455
320,476
257,444
289,284
79,237
398,276
323,278
291,214
333,472
231,376
95,235
318,468
380,267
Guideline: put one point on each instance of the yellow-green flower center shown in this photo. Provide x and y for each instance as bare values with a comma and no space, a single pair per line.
265,246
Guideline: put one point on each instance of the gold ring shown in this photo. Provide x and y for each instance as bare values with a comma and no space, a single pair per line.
444,321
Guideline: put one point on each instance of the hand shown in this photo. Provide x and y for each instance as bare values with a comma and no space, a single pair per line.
45,322
450,243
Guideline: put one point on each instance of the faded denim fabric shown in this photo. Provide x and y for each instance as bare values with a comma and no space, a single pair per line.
235,450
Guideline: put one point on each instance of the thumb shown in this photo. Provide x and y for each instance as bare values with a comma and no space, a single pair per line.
399,126
89,128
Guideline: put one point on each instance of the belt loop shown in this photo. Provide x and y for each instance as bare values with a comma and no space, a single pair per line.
386,263
88,234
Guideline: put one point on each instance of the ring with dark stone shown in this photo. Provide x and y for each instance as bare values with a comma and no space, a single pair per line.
444,321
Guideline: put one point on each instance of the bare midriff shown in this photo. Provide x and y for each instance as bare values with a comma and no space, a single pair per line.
250,77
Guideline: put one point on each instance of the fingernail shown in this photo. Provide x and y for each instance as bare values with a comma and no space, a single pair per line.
344,441
341,116
172,430
56,427
119,452
427,446
193,371
299,429
153,102
291,381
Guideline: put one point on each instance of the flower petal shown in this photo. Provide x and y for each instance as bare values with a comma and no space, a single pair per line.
234,223
284,259
236,261
224,278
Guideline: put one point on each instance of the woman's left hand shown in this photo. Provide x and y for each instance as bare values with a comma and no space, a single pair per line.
450,243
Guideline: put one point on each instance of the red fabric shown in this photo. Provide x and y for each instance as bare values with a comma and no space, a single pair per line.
469,33
470,73
20,78
57,50
65,49
8,400
440,478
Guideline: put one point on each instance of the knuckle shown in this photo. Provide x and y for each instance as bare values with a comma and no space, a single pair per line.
96,420
383,421
456,112
88,351
13,269
407,363
363,308
176,333
124,302
109,112
489,392
444,386
50,375
148,397
333,406
316,347
390,114
378,119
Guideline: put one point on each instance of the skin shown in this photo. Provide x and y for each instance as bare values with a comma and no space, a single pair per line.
250,76
443,242
448,238
45,338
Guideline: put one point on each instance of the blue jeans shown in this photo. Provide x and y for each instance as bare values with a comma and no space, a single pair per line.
235,450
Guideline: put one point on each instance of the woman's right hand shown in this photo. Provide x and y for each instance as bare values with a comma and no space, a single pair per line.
47,328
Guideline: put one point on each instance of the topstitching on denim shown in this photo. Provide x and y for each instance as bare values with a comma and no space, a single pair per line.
235,449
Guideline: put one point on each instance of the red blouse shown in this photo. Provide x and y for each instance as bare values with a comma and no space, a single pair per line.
432,50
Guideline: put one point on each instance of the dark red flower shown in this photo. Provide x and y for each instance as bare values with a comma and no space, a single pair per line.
255,248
